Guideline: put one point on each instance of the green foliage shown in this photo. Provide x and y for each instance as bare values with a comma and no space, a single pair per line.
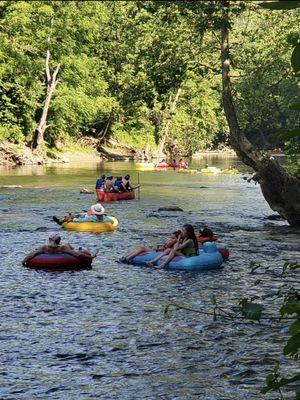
12,133
292,137
131,57
250,310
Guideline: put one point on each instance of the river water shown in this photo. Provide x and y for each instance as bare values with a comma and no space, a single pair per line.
102,334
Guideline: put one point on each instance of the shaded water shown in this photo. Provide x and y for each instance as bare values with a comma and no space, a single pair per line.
102,333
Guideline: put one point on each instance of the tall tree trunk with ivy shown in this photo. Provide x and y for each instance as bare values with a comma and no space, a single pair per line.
280,189
38,135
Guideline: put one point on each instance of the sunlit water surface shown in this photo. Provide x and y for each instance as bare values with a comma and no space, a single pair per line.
102,334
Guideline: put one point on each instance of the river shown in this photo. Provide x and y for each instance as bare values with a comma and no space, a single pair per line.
102,333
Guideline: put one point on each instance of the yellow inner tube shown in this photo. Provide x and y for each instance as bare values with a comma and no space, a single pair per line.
95,227
188,171
211,170
229,171
144,165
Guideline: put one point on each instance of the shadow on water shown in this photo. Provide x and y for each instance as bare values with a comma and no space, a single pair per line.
103,333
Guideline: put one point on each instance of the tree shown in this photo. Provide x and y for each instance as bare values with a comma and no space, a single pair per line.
280,189
38,136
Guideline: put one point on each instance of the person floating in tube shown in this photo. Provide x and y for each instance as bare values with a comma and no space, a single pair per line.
54,247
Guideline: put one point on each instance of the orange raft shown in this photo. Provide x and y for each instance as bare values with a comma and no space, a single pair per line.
107,197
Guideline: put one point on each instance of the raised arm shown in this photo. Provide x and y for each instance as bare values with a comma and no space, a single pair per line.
187,243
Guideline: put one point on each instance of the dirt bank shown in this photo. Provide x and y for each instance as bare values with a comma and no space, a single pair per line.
19,154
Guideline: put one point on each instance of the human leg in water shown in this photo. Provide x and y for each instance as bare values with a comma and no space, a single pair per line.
68,218
134,253
172,254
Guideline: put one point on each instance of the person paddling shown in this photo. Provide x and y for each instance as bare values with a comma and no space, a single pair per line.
126,185
100,182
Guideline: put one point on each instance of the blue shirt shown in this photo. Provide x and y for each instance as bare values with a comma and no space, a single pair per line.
118,182
92,218
99,183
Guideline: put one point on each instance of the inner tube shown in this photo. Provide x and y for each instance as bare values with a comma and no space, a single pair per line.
203,239
161,165
224,252
144,165
58,262
107,197
210,170
94,227
229,171
188,171
178,165
209,258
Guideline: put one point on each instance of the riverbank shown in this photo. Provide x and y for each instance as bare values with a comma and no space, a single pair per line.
19,154
85,150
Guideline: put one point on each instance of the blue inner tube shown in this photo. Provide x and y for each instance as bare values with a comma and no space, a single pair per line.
58,262
208,258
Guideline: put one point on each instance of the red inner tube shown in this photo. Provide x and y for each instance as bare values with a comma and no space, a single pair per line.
58,262
177,165
203,239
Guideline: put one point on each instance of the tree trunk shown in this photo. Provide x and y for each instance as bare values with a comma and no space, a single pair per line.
103,133
38,136
164,136
280,189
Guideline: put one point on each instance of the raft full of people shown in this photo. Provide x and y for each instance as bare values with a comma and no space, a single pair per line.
108,189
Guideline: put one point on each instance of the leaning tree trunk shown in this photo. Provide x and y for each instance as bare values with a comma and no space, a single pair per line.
38,136
164,136
104,131
280,189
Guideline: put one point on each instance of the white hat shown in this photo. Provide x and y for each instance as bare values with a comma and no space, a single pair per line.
53,236
98,209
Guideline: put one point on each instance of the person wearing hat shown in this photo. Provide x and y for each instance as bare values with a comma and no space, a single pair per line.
97,214
54,247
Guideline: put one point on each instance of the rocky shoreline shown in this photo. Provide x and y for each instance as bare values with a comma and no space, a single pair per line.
16,155
85,150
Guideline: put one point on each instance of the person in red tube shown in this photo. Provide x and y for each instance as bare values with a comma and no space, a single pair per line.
54,247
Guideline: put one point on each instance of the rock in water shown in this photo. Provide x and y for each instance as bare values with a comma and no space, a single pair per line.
170,208
86,191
